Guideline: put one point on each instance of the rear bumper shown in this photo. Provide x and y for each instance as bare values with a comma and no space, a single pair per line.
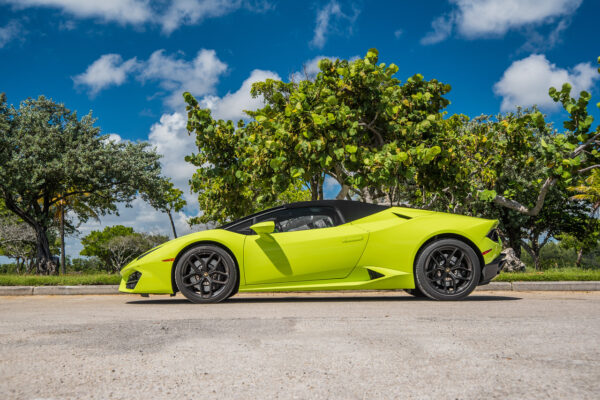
491,270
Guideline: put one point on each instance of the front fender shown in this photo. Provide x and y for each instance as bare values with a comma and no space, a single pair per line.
156,266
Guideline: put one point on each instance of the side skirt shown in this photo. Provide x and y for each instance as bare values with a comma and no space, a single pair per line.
360,278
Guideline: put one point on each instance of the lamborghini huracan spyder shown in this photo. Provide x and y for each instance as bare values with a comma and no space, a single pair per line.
324,245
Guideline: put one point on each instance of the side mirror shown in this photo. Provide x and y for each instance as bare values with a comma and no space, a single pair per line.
263,228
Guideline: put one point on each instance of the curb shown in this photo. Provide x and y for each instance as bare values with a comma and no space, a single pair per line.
71,290
557,286
58,290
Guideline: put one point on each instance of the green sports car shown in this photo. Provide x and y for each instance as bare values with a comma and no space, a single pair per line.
324,245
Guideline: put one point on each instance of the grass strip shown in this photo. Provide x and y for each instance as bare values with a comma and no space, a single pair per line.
550,275
60,280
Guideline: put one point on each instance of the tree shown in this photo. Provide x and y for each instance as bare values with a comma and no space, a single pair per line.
123,249
49,155
116,245
60,210
167,199
560,216
589,191
355,122
585,239
17,240
572,154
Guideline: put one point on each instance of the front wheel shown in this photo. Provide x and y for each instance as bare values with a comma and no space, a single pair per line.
447,269
206,274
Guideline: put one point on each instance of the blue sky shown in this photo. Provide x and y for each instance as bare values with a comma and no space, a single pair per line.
129,60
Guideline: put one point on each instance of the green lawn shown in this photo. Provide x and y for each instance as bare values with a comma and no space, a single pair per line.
60,280
563,274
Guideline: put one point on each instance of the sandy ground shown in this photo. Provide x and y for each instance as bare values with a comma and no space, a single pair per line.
377,345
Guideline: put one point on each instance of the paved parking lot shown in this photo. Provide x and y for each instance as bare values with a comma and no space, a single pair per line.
374,345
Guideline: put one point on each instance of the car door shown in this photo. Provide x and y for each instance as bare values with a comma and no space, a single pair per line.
308,243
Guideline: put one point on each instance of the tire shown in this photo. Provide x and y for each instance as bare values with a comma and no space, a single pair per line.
416,292
206,274
447,269
234,292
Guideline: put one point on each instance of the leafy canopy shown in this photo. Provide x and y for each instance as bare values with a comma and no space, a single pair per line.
48,155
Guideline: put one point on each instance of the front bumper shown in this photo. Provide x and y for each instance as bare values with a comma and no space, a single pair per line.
491,270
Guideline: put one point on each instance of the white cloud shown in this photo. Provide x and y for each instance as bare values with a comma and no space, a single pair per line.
526,82
122,11
9,32
172,73
177,75
330,19
494,18
115,138
108,70
398,33
442,28
170,138
140,216
170,15
232,105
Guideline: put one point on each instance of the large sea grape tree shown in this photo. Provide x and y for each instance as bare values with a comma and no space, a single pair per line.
355,122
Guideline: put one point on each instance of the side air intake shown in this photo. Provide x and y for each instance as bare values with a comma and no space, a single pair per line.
374,275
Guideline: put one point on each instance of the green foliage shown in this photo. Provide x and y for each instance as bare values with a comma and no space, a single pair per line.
562,274
62,280
49,155
94,243
85,265
355,122
167,198
116,245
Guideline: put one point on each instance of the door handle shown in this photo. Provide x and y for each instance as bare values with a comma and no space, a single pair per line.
349,239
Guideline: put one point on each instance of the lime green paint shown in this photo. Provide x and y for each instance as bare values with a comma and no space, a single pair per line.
316,254
263,227
334,258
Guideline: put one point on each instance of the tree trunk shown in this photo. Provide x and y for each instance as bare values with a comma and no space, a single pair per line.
314,188
172,224
579,257
343,192
320,189
514,241
63,256
45,264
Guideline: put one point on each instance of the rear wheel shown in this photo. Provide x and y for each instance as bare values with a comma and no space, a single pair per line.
206,274
447,269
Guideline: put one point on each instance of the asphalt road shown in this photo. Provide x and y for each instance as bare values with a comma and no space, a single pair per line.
350,346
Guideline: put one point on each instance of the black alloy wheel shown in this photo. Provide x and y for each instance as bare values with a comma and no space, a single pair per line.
206,274
447,269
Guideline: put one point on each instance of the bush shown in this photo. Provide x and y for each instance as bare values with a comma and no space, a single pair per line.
555,256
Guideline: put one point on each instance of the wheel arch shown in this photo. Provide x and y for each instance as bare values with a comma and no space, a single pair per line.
456,236
200,243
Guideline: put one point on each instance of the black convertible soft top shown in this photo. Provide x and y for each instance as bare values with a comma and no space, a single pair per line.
349,210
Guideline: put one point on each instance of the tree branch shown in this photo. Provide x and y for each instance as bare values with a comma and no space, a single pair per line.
581,171
583,146
369,126
515,205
